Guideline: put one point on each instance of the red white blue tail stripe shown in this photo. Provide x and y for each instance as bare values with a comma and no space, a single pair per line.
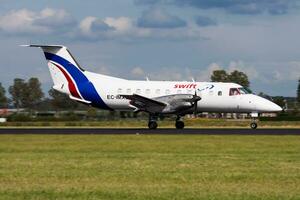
79,85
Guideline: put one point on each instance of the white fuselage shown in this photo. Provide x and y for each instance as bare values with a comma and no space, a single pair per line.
215,96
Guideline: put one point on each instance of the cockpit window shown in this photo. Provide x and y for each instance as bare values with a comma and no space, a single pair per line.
244,91
234,91
238,91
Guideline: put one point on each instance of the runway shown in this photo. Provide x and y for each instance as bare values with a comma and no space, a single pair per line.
147,131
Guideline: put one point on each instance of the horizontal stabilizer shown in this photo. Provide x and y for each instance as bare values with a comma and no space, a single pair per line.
80,100
42,46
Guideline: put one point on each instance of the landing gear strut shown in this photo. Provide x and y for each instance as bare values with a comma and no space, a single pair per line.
179,123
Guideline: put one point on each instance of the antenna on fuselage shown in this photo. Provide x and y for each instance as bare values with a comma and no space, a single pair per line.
147,79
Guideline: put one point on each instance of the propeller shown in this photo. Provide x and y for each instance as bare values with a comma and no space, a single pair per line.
195,99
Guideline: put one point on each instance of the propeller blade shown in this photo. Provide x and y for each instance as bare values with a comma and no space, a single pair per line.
196,98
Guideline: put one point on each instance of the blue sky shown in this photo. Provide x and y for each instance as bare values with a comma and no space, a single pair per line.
159,39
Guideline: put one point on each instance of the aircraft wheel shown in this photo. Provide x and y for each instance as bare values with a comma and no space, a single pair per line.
152,125
253,125
179,124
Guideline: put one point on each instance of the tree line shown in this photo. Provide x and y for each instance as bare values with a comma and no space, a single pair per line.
29,95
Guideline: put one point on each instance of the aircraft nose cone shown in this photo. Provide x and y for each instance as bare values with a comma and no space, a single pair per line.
276,108
265,105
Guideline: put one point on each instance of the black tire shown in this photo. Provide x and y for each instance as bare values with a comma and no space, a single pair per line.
179,124
152,125
253,125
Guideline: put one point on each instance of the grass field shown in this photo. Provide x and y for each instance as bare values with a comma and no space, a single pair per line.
149,167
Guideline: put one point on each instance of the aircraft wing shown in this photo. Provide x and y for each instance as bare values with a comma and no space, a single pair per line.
145,104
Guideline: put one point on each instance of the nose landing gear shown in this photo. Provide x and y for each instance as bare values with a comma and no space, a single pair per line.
253,124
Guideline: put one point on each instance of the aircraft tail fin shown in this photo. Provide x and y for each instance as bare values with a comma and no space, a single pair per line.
69,77
65,71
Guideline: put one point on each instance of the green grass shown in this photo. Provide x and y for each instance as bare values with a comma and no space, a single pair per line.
149,167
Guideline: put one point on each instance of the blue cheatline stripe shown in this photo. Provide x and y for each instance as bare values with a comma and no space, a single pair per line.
86,88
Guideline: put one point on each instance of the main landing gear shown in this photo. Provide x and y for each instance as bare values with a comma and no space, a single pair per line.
152,124
179,124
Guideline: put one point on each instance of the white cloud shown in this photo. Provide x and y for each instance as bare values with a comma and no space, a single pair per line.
159,18
125,29
103,70
93,28
121,24
54,18
241,66
289,71
293,69
137,72
21,21
251,72
188,74
25,22
275,72
29,22
276,75
85,25
205,74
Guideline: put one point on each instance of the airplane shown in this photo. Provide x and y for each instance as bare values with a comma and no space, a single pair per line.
156,98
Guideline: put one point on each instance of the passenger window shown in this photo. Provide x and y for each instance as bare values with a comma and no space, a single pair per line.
234,91
128,91
220,93
178,91
138,91
157,91
167,91
147,91
119,91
